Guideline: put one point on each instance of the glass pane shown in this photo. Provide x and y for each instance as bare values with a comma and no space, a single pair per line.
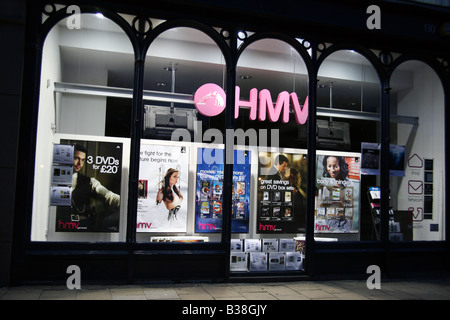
417,154
348,148
182,158
269,193
82,148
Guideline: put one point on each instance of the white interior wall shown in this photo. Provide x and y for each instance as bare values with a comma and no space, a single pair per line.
82,115
95,39
348,71
173,47
86,114
425,100
50,72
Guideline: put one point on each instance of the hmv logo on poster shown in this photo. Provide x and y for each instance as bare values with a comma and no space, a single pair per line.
267,227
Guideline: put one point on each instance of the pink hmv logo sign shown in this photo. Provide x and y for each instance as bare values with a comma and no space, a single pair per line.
210,101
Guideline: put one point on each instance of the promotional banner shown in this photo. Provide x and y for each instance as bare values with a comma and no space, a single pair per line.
209,192
281,193
90,200
162,188
338,194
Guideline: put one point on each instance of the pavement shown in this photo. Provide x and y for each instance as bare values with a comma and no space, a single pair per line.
432,288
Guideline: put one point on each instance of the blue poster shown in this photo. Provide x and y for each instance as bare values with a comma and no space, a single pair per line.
209,191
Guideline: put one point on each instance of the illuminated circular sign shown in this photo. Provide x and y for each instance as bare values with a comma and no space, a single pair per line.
210,100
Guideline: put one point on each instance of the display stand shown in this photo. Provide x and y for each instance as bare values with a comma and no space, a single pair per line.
374,196
400,222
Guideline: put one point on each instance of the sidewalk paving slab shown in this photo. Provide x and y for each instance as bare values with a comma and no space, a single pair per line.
391,289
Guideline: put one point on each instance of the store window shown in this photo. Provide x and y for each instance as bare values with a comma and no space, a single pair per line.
417,158
182,150
83,138
348,140
269,187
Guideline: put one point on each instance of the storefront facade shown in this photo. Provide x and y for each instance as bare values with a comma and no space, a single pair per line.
170,142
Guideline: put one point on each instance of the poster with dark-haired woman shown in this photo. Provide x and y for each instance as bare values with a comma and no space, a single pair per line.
337,193
162,188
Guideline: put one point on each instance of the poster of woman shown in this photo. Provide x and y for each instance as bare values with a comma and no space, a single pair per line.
162,188
337,193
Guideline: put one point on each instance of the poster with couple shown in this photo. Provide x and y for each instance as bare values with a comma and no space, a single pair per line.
281,190
162,188
337,193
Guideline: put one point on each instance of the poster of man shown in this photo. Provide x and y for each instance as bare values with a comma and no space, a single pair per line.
95,188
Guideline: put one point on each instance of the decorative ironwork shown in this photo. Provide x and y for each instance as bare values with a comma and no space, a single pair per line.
446,65
321,46
385,58
142,26
306,44
47,7
226,34
242,35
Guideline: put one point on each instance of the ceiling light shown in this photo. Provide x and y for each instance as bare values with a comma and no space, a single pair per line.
245,77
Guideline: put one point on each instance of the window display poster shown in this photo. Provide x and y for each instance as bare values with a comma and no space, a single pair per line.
397,160
95,186
281,193
337,194
209,195
162,188
370,159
